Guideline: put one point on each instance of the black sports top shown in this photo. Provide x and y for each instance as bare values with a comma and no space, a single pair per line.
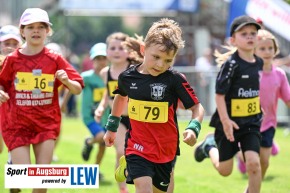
238,80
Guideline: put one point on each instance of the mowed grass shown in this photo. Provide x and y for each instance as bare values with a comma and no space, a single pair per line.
190,176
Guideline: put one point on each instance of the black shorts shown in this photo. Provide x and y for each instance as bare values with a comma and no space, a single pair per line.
125,121
248,138
140,167
174,162
267,137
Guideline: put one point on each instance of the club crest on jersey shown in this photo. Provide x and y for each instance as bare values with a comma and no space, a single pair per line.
157,91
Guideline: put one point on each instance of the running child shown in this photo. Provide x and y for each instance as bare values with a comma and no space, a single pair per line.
272,80
91,96
237,119
151,91
34,117
118,58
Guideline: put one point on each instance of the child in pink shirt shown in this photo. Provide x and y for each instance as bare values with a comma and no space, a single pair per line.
273,86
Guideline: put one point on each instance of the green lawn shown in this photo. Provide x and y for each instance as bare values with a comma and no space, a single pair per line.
190,176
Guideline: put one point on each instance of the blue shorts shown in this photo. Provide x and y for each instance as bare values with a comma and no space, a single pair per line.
95,128
267,137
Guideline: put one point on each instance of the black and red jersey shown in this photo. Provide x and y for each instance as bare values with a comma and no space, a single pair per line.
152,110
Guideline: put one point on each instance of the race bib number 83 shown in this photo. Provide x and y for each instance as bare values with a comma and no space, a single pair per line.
148,111
245,107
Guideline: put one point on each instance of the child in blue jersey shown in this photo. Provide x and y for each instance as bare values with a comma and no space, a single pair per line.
150,91
238,116
91,96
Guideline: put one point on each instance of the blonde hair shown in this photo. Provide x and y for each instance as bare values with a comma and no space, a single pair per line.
221,58
116,36
264,35
133,45
165,32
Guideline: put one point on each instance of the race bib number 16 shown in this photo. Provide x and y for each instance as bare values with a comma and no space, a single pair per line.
29,81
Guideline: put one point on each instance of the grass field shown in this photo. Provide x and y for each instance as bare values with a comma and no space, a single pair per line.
190,176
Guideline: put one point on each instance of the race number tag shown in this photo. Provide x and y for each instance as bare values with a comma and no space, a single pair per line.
113,85
33,81
245,107
98,94
148,111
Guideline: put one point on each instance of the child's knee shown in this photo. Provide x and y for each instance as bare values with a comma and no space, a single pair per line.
253,165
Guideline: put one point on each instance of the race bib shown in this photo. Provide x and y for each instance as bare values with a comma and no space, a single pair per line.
113,85
245,107
148,111
34,81
98,94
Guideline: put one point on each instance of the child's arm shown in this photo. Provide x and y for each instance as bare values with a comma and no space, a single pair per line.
119,103
228,124
74,86
102,106
190,134
105,99
3,95
66,95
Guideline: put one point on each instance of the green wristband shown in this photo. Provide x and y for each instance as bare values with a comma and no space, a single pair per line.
195,126
113,123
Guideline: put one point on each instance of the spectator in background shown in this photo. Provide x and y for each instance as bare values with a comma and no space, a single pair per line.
87,63
204,67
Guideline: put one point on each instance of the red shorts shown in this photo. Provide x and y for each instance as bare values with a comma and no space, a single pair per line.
14,138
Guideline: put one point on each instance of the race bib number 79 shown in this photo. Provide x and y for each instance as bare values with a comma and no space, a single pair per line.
148,111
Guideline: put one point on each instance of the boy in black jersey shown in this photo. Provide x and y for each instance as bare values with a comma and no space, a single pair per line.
238,116
151,91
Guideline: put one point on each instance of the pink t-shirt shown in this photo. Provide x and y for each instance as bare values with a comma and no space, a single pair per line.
273,85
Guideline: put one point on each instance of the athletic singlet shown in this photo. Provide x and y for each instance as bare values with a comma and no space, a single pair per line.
112,84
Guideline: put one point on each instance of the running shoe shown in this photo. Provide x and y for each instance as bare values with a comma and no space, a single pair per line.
275,149
87,149
120,171
15,190
200,153
241,165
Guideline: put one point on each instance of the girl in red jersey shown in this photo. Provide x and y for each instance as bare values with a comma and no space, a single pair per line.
29,81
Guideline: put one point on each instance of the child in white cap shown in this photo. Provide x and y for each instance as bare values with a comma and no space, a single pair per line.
29,84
